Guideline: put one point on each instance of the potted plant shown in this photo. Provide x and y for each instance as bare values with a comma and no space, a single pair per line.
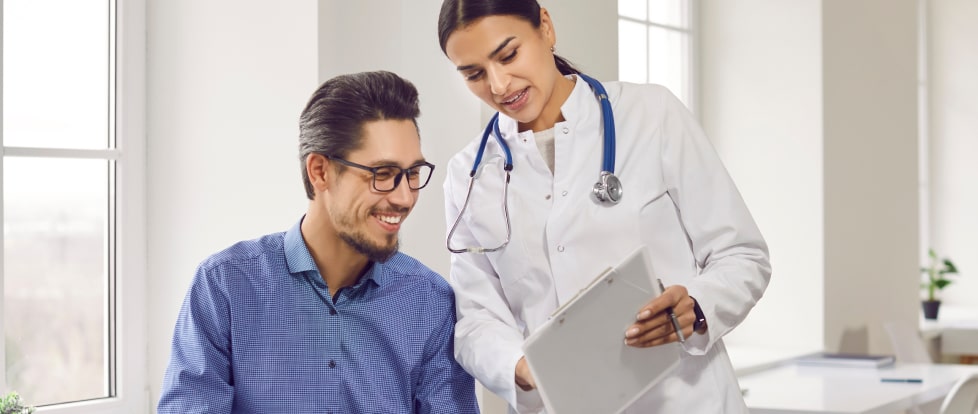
12,404
936,281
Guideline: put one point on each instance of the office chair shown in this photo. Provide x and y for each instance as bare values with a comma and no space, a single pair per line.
907,344
963,397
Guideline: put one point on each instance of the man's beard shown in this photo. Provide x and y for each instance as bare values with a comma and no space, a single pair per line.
374,252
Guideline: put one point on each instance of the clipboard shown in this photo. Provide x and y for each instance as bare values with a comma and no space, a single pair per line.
579,358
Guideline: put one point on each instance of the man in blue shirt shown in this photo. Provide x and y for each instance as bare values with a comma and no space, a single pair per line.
328,317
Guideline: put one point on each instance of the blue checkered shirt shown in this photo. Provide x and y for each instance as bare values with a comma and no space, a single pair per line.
259,333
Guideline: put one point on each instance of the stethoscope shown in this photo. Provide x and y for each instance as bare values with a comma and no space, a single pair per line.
606,191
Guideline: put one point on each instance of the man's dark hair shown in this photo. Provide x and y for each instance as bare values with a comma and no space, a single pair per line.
332,122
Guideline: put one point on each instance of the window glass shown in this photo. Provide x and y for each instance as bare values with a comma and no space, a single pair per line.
668,63
632,52
669,12
56,73
635,9
655,44
55,222
58,199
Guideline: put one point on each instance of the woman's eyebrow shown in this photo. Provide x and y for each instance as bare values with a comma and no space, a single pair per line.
496,51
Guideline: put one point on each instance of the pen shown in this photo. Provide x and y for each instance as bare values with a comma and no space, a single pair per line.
672,315
908,380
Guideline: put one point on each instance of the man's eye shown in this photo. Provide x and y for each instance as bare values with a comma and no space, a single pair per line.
384,174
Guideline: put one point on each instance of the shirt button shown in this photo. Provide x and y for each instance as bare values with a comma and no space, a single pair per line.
332,311
564,193
566,130
560,247
332,364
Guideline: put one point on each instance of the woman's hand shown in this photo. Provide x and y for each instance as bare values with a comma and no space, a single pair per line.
653,326
523,376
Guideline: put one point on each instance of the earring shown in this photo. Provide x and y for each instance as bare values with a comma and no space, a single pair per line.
553,49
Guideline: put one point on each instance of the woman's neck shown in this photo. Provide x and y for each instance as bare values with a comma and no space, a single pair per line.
551,113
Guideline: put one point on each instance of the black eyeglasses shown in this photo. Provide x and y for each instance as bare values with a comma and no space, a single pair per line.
387,177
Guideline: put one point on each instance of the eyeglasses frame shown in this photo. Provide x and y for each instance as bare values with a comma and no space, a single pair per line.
397,178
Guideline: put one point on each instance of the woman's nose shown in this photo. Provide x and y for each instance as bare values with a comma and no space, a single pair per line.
498,81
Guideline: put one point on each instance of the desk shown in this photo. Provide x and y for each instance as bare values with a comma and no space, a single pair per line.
957,329
791,388
751,359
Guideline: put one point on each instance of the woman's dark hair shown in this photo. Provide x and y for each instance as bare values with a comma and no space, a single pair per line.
456,14
332,122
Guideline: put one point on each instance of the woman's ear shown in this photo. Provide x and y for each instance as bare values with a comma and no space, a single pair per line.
316,169
547,27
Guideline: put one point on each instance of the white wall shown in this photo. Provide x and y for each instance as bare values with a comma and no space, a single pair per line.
761,106
812,105
871,192
587,34
953,111
226,81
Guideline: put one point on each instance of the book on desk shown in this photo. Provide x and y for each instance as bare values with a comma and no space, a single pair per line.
845,360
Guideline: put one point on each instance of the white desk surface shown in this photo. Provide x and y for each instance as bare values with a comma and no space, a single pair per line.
791,388
751,359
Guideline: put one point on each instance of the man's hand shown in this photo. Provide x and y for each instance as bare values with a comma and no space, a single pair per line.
523,376
653,325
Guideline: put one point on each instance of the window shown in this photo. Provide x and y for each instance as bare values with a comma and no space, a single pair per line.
66,156
655,44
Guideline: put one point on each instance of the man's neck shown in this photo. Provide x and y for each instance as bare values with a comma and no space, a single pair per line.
338,263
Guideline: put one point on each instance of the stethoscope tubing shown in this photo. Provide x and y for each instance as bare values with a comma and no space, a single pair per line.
492,128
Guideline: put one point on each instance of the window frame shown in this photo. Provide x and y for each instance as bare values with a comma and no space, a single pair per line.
127,315
692,54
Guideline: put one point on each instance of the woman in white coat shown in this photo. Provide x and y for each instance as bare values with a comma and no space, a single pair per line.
678,201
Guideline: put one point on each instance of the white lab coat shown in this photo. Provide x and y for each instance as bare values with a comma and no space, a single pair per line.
678,201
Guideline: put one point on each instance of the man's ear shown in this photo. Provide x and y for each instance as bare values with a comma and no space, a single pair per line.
318,172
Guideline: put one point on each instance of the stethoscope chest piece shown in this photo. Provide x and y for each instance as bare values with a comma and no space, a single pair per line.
608,189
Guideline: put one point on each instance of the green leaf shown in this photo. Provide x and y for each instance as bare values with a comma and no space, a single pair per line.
941,283
949,267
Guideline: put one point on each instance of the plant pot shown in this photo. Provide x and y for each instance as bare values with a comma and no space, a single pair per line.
930,308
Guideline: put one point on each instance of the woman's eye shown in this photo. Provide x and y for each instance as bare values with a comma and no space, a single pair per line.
509,57
474,76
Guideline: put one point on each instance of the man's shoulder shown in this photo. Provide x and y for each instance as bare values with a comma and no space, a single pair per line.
246,251
404,268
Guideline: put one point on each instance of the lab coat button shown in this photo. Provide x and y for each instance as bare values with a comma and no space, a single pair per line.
546,197
564,193
566,130
560,247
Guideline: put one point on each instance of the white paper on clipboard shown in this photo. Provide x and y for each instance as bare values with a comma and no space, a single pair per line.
579,358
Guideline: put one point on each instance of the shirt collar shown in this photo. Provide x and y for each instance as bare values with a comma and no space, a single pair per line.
300,261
